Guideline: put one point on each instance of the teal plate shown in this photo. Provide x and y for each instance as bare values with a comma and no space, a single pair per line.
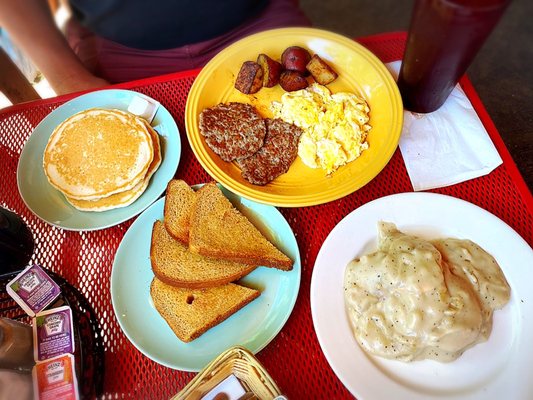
253,327
51,206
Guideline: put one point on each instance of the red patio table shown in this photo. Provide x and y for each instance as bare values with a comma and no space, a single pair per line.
294,358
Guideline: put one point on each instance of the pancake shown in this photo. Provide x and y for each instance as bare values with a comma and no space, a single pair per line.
98,152
125,198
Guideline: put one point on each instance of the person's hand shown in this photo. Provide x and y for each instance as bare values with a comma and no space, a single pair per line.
31,25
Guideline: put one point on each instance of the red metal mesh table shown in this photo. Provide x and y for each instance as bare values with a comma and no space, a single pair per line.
293,358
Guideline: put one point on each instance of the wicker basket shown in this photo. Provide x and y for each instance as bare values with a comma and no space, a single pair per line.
239,362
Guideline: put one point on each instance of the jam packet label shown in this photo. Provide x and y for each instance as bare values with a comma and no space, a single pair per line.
33,289
56,379
53,333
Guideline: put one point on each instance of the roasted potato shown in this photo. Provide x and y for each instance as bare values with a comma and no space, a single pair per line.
250,78
271,70
295,58
292,80
320,70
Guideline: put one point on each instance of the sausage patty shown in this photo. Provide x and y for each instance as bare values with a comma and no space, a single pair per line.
275,157
233,130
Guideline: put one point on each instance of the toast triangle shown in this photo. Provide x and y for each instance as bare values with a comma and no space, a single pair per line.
178,203
174,264
217,229
191,312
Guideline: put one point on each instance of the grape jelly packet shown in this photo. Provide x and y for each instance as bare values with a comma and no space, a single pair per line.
33,290
53,333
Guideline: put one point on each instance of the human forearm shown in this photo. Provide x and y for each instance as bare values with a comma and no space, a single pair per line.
32,28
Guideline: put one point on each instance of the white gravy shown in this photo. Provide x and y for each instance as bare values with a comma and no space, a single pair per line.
414,299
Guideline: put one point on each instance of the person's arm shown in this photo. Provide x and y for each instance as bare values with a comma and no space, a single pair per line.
31,26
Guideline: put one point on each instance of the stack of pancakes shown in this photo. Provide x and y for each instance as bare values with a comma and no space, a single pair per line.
102,159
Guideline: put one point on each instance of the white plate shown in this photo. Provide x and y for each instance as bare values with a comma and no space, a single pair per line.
498,368
253,327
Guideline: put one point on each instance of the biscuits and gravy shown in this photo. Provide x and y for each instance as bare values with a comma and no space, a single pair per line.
416,299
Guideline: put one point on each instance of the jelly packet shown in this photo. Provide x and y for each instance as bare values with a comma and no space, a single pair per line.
33,290
56,379
53,333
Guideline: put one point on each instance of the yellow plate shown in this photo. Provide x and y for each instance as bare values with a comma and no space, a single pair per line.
359,71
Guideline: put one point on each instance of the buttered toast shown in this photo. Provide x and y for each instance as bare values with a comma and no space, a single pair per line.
174,264
191,312
217,229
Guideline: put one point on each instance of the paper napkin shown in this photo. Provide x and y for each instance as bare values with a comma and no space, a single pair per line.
447,146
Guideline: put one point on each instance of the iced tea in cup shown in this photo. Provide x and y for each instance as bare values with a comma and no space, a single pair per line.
444,37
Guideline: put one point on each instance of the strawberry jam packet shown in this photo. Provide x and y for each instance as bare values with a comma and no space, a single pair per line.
56,379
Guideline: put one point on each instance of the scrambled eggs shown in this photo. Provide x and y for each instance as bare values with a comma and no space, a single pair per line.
335,125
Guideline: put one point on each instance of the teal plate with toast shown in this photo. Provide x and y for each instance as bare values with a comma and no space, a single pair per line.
50,205
253,327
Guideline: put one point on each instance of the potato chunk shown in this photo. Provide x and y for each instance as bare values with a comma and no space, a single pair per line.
250,78
292,80
320,70
271,70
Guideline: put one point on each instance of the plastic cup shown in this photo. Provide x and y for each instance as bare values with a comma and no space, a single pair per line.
444,37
